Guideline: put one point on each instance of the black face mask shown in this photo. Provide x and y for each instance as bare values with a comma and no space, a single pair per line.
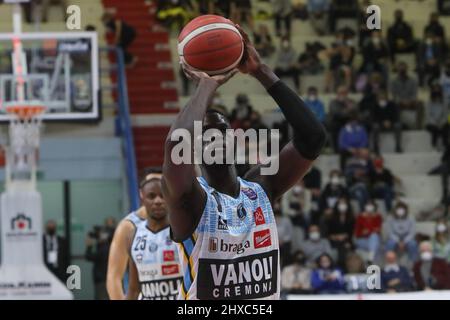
51,231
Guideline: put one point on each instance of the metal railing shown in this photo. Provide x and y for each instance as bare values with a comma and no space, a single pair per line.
123,122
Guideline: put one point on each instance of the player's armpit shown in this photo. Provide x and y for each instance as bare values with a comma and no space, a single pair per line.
118,259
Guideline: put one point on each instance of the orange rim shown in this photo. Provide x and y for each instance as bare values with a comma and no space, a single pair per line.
25,112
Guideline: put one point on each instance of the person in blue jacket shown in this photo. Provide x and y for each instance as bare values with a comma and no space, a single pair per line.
326,278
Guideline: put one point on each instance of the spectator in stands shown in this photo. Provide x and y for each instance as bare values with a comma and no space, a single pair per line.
375,56
124,35
431,273
404,90
296,277
339,229
445,82
355,277
353,141
31,9
309,62
296,204
437,116
333,190
441,241
394,277
285,230
342,9
241,11
286,62
382,182
56,257
204,6
435,27
316,105
364,31
400,36
263,41
174,14
340,56
318,11
282,11
242,111
313,181
368,230
326,278
401,232
339,113
315,245
386,118
430,53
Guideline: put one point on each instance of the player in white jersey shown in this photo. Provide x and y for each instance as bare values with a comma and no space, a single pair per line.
224,224
119,251
155,272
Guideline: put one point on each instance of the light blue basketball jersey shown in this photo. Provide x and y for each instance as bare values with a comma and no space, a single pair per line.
234,252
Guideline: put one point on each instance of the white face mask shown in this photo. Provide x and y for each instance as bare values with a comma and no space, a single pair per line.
285,44
401,212
325,264
426,256
342,207
335,180
383,103
370,208
429,41
297,189
314,236
441,228
376,41
312,97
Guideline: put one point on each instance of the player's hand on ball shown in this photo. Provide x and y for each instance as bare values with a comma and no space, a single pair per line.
196,75
251,61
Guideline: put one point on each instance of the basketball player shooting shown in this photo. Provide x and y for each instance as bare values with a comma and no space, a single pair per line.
224,224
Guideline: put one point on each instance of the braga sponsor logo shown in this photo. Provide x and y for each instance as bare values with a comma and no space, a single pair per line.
262,239
249,277
258,215
222,246
148,274
160,289
170,269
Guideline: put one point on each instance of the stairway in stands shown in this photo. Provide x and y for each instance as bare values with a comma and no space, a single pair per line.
151,83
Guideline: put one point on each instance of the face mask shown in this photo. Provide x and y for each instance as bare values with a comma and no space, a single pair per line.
312,97
441,228
314,236
342,207
285,44
376,41
370,208
349,43
217,101
51,231
426,256
391,266
401,212
297,189
429,41
383,103
334,180
325,265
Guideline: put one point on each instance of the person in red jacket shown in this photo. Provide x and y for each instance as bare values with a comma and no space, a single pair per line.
367,230
431,273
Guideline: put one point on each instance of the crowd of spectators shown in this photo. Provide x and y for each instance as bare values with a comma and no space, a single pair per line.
331,232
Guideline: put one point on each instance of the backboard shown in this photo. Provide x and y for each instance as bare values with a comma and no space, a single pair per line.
58,70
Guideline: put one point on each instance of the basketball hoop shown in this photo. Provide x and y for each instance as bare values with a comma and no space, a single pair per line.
24,139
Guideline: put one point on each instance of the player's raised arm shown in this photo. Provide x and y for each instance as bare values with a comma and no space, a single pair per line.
183,194
298,155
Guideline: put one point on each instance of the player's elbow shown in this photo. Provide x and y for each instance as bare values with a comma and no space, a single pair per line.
311,146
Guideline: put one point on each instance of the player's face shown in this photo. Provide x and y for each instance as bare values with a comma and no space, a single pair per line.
219,122
153,201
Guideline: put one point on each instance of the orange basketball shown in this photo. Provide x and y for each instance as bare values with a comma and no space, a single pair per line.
211,44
